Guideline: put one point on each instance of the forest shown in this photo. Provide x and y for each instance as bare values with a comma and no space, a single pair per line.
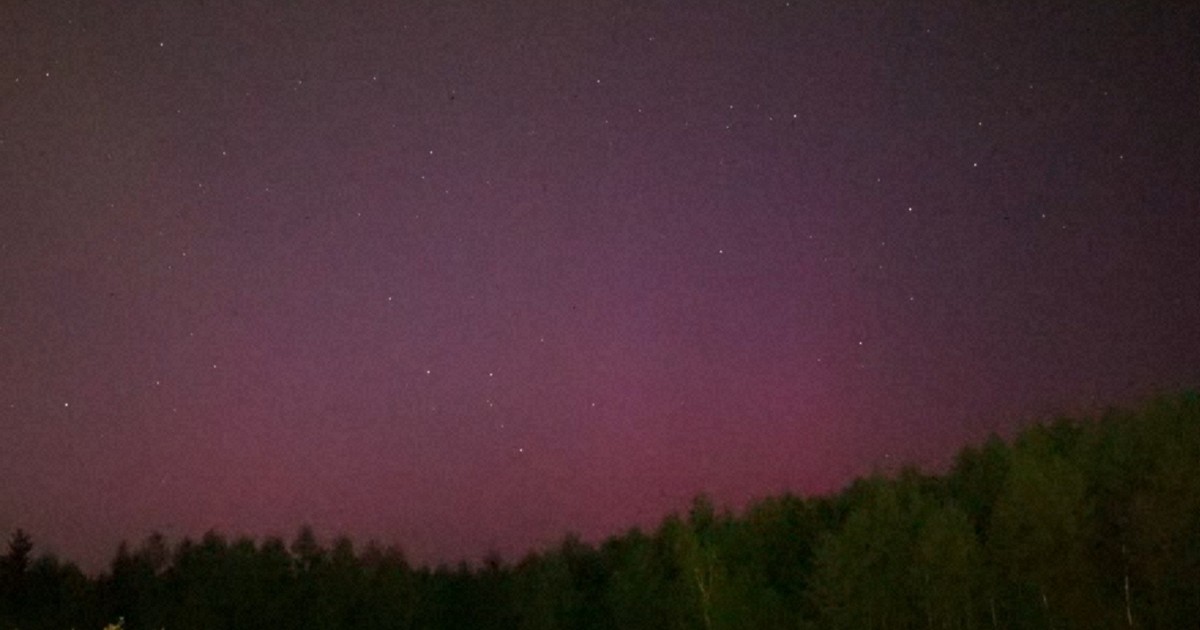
1073,523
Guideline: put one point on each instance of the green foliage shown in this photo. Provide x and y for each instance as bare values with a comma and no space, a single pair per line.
1074,525
1038,536
901,559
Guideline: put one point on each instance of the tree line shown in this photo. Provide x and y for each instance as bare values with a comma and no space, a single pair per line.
1089,523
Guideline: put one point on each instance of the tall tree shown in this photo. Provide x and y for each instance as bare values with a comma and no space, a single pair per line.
947,568
20,547
13,568
390,596
1116,462
860,579
779,538
1038,537
674,558
545,592
131,589
638,587
1165,515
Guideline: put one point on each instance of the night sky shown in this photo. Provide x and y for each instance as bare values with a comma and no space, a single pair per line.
465,276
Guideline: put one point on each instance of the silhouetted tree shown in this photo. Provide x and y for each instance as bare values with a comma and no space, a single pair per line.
390,595
13,568
1038,534
132,591
16,561
947,573
639,587
1073,525
59,596
1165,517
862,569
778,538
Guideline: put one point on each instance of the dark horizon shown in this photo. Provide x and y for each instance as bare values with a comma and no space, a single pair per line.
886,468
1078,522
463,278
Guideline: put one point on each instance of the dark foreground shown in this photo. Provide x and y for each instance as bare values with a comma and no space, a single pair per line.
1076,524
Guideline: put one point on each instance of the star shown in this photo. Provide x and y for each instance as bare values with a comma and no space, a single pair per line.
599,234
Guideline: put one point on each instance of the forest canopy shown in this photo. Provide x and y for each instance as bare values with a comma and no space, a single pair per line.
1075,523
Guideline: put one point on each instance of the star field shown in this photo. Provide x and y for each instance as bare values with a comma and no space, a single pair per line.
466,276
